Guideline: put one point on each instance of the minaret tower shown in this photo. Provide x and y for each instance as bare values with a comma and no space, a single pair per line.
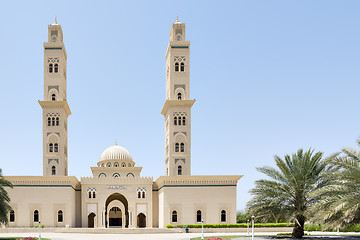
177,107
55,107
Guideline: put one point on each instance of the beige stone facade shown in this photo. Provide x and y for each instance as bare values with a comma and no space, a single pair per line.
117,195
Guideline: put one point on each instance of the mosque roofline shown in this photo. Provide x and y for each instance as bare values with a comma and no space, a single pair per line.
49,181
200,180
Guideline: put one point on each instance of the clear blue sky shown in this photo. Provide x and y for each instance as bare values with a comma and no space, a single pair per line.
269,77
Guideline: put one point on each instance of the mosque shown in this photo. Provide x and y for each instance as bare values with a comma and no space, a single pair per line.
117,195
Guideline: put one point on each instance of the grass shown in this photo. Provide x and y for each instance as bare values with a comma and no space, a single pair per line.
228,237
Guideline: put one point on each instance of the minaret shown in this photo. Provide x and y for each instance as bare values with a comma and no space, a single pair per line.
177,107
55,107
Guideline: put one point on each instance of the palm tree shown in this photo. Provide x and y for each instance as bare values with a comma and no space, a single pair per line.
288,191
339,201
4,199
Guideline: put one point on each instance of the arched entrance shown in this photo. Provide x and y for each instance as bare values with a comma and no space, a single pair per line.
91,220
141,220
116,211
115,217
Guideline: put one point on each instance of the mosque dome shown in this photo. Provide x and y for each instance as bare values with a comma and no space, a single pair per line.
115,153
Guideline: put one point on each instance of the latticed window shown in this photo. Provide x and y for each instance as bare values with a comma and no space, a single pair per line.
182,67
139,194
53,97
53,170
176,147
53,121
50,68
89,194
49,121
183,120
60,216
176,67
174,216
143,194
56,68
179,170
57,121
51,147
175,120
182,147
94,195
56,147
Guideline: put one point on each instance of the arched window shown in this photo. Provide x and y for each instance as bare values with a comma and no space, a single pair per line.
182,147
223,216
175,120
179,96
123,164
179,120
108,164
56,147
56,68
36,216
179,170
143,194
12,216
182,67
94,194
129,165
50,68
184,121
176,67
57,121
139,194
51,147
53,97
60,216
174,216
176,147
116,164
89,194
53,121
49,121
198,216
53,170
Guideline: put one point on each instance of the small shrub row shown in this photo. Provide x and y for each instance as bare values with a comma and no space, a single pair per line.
349,228
238,225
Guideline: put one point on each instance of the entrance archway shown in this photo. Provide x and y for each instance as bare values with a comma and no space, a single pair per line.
115,217
116,211
141,220
91,220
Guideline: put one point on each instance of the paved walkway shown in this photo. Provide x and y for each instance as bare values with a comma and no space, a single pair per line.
162,236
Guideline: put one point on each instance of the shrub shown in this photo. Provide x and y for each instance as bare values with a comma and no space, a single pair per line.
42,225
169,226
238,225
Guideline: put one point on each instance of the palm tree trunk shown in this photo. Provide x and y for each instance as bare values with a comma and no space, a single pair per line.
298,230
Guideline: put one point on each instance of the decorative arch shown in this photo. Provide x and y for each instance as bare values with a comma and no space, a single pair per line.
102,175
180,90
117,199
223,215
91,221
116,175
51,92
130,174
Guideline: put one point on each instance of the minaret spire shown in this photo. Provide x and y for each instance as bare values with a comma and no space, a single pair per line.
55,20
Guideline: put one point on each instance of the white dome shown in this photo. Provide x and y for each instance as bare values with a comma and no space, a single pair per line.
115,152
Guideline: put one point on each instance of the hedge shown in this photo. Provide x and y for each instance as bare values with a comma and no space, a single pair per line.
349,228
238,225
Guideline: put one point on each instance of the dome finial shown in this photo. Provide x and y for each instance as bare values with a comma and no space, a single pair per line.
177,18
55,20
115,142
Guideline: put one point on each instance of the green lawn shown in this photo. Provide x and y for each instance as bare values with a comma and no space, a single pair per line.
228,237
